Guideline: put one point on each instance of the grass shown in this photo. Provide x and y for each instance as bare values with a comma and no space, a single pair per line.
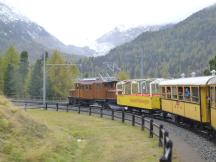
50,136
24,139
101,140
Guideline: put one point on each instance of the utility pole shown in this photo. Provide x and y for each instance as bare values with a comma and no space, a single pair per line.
44,79
141,70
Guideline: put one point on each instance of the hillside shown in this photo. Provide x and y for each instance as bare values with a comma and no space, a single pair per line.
23,139
24,34
183,48
121,34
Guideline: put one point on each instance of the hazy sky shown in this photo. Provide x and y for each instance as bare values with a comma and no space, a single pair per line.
79,22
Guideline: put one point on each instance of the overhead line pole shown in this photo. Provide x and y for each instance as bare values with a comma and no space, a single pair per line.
141,70
44,79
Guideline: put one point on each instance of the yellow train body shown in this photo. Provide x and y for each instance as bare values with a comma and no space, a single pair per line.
142,102
191,98
195,111
212,104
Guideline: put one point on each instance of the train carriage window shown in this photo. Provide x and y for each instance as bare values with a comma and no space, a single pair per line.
180,93
119,89
187,93
135,88
195,94
127,88
212,96
163,92
155,89
168,92
174,93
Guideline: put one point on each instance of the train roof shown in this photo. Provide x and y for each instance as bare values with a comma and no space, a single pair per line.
95,80
197,81
152,80
212,81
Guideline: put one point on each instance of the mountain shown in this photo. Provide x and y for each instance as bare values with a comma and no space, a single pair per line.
185,47
121,34
17,30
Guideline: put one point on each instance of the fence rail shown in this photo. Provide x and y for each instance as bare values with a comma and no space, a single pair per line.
153,128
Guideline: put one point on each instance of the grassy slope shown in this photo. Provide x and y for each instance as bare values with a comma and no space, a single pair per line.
23,139
68,137
102,140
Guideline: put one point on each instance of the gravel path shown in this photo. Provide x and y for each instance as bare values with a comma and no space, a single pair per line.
190,147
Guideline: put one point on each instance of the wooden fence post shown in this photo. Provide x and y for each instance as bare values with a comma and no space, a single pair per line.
166,134
67,107
79,109
160,136
112,114
123,116
57,106
143,123
170,146
89,110
101,112
46,106
133,119
151,129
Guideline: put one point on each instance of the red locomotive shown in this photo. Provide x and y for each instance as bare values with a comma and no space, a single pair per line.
90,90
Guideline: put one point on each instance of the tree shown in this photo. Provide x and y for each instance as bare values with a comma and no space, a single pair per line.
122,75
1,76
212,66
10,81
36,81
60,77
9,67
23,74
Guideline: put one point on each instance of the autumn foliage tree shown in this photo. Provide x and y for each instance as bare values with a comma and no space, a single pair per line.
60,76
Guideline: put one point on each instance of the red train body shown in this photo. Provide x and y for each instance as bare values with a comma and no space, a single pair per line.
91,90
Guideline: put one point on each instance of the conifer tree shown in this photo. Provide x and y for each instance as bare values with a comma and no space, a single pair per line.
10,81
36,82
10,67
23,74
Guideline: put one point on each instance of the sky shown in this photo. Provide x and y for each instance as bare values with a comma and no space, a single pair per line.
80,22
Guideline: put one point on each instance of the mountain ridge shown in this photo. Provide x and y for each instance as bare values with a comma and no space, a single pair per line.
183,48
121,34
18,30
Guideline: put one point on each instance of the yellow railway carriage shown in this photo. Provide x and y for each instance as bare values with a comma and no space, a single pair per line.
212,104
187,97
139,93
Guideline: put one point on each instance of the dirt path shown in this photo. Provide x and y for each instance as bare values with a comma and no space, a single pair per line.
185,152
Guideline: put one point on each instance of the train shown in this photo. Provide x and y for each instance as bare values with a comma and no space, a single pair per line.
88,91
187,99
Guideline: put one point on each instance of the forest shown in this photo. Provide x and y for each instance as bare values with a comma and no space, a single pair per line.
185,47
20,79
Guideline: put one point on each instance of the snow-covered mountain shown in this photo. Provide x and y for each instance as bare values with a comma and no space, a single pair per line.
120,35
18,30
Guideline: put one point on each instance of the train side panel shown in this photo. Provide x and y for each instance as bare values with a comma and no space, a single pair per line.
178,108
184,109
166,105
213,117
204,105
192,111
145,102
